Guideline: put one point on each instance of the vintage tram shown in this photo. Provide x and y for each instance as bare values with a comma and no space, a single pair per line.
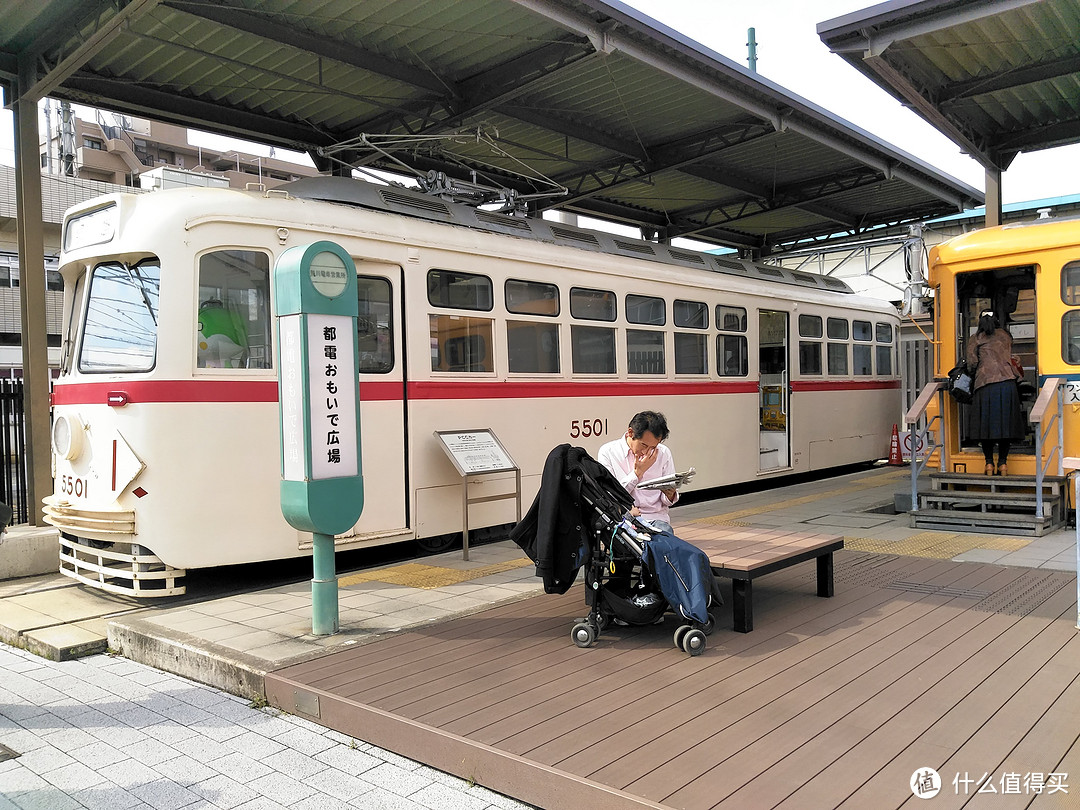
166,438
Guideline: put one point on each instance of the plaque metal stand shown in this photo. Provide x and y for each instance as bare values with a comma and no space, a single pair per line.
478,452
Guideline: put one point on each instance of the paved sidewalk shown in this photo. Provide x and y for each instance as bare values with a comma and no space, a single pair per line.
106,733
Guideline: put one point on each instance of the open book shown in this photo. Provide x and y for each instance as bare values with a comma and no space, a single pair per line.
673,481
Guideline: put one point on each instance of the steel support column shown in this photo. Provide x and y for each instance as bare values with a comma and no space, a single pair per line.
32,300
993,197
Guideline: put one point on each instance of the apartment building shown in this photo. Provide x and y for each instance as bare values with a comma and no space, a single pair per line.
105,155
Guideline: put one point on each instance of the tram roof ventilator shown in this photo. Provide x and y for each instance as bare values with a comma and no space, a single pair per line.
401,200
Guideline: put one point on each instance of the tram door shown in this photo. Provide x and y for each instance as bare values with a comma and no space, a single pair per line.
773,390
381,362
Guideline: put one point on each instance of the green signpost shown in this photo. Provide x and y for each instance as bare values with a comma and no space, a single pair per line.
322,486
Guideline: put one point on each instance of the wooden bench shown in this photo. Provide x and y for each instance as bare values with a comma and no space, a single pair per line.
744,554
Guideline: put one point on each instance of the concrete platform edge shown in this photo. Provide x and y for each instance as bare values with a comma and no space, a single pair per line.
190,657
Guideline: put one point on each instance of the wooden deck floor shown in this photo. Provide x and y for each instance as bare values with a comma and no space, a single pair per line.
967,668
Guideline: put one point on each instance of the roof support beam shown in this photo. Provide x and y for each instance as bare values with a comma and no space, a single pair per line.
171,108
1009,78
107,28
261,24
607,40
669,157
928,110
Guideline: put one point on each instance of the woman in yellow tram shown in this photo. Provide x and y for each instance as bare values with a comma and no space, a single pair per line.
995,414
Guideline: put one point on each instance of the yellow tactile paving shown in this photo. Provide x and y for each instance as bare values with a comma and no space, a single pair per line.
875,481
935,545
418,575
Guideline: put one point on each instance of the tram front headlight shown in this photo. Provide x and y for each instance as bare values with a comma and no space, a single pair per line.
67,437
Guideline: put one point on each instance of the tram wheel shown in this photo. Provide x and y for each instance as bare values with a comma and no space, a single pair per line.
437,544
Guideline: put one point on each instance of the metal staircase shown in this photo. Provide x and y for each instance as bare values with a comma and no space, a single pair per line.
1001,505
1030,505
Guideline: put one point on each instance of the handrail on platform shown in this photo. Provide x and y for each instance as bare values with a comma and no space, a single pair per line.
1050,387
911,420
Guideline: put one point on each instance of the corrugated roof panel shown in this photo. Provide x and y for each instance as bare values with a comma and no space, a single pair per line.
641,123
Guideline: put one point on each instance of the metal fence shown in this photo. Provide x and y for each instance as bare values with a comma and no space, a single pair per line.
13,450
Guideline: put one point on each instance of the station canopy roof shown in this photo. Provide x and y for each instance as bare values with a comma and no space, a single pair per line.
637,123
998,77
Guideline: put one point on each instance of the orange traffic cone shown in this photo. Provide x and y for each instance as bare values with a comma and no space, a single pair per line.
895,456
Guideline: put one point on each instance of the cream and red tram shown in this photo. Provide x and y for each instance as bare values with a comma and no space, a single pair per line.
166,438
1028,275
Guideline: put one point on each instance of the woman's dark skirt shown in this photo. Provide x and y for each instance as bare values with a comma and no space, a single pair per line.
995,413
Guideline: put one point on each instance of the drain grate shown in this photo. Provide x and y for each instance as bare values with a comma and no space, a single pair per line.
937,590
6,753
1024,594
873,570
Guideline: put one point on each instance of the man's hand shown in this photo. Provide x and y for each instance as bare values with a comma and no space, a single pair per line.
644,461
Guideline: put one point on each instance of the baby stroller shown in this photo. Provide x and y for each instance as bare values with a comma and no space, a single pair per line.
634,573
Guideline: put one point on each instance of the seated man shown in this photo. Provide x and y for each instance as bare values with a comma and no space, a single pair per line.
640,456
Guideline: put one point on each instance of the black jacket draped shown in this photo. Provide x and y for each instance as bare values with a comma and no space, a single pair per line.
556,532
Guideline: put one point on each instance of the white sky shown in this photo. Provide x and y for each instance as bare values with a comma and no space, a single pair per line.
791,55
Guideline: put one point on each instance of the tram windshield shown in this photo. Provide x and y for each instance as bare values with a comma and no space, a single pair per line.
121,318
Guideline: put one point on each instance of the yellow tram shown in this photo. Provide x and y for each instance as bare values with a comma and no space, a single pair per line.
1029,275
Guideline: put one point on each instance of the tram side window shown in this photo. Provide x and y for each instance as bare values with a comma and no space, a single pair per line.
234,320
862,356
883,334
691,314
1070,284
646,309
120,334
592,349
374,325
532,347
809,351
1070,337
450,288
730,319
644,352
837,329
809,357
460,343
691,351
531,298
838,359
592,305
732,357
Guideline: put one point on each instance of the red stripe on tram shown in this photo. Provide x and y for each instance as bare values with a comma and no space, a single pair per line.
194,391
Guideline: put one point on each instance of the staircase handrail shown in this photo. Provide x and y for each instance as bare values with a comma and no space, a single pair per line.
1043,423
911,420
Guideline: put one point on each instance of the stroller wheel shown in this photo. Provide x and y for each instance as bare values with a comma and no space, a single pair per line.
583,634
709,626
680,633
693,642
602,621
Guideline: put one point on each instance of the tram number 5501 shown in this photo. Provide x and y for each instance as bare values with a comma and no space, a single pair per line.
584,428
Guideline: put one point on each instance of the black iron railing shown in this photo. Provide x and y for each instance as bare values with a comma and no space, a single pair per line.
13,450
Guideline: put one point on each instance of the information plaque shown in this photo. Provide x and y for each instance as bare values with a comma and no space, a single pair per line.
478,452
475,451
